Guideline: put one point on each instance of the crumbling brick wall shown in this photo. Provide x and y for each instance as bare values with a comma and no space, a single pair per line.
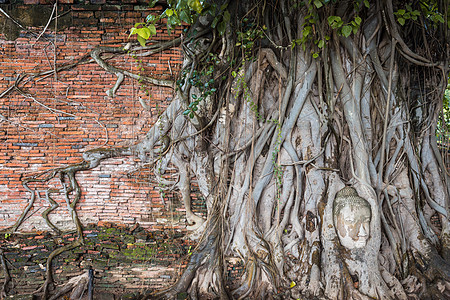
53,120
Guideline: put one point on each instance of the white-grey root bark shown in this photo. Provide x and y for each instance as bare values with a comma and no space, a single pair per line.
284,132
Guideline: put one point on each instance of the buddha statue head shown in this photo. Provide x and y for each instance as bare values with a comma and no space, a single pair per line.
352,216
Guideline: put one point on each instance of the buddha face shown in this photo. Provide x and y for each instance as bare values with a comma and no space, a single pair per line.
352,216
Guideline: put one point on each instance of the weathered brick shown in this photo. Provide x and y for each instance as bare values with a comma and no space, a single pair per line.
55,140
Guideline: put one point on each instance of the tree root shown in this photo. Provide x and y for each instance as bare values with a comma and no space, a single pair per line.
78,285
5,287
45,288
202,259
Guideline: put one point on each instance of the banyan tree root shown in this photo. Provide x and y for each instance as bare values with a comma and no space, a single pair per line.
305,125
6,284
44,290
78,285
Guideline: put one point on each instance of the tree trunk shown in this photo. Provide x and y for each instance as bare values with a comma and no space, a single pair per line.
302,126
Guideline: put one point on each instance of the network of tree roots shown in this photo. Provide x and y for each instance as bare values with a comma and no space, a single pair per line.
287,118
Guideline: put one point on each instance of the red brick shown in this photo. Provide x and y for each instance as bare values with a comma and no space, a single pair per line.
103,199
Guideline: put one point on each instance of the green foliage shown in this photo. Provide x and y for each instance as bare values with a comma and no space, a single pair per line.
406,14
428,9
335,22
203,81
221,19
314,32
443,126
181,12
247,37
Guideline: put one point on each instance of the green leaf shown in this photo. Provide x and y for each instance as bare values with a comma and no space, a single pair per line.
401,21
152,29
195,5
150,18
233,74
214,22
331,20
133,31
335,21
185,17
316,55
144,32
226,16
439,18
346,30
401,12
141,40
358,20
306,31
321,44
169,12
221,27
186,112
366,3
318,3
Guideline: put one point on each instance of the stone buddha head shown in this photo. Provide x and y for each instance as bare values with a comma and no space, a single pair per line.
352,216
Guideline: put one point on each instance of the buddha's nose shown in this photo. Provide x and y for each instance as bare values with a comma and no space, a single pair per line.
362,231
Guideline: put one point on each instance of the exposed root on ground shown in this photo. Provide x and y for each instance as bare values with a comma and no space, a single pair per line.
6,286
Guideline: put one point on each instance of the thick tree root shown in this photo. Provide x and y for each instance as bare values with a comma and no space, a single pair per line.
45,288
6,284
78,285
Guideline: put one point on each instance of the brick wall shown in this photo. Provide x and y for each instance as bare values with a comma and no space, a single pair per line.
71,113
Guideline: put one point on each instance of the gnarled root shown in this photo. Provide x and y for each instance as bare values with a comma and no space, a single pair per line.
428,277
202,278
45,288
5,287
261,278
78,285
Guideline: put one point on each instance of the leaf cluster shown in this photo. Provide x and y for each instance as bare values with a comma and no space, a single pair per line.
181,12
406,14
203,81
